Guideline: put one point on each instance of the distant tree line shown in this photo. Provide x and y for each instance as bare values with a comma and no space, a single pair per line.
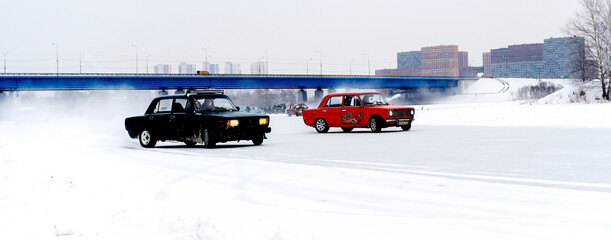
535,92
593,23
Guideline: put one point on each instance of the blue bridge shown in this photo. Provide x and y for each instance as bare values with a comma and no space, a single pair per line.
45,82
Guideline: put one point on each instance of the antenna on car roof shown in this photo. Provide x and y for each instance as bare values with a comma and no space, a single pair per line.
205,91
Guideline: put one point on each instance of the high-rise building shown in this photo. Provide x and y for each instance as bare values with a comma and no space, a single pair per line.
185,68
463,65
530,69
549,59
558,52
232,68
499,56
440,61
463,59
487,63
258,68
411,59
162,69
517,61
525,52
213,68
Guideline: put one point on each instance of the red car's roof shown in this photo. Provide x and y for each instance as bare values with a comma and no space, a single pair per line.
354,93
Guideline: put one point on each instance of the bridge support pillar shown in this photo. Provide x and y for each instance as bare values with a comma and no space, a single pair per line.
331,91
302,96
163,92
318,94
179,91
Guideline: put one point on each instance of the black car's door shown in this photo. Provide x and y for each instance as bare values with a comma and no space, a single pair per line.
180,120
159,119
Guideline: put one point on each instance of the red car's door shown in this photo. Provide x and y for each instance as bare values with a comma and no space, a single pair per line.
351,113
331,111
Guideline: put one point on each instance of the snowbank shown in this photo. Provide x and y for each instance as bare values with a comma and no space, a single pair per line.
491,102
577,92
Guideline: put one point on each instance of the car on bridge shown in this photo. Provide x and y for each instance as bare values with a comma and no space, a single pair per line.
206,117
358,110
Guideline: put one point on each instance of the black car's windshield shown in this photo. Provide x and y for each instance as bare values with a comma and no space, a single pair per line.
373,99
214,103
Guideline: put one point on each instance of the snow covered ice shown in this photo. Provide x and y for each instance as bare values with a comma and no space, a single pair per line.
476,166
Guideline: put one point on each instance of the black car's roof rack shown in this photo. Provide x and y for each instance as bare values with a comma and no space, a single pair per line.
205,91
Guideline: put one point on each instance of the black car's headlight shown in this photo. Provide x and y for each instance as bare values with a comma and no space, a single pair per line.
233,123
263,121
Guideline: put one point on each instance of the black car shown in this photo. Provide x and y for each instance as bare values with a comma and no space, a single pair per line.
206,117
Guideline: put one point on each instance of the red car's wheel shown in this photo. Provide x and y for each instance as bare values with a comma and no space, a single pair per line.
321,125
375,124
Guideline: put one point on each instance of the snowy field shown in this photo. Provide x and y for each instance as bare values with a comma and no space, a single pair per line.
474,166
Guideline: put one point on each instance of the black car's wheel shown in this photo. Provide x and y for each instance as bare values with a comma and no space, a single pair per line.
407,127
208,140
321,125
375,124
347,129
190,144
147,139
257,140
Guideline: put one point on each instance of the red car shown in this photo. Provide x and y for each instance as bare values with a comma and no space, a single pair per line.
296,109
350,110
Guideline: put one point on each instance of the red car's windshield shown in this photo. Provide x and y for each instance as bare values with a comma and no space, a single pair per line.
373,99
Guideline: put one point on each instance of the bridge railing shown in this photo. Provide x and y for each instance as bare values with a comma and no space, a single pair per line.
94,81
228,75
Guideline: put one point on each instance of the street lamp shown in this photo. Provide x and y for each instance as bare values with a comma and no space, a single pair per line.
80,62
147,64
266,61
368,64
5,61
205,58
351,66
320,61
308,66
136,58
56,57
260,63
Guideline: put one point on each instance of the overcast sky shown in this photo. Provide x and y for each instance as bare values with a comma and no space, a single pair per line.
243,31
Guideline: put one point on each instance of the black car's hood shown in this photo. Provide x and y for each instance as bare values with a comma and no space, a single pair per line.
232,114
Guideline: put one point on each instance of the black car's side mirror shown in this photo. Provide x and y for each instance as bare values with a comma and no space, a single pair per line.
237,107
